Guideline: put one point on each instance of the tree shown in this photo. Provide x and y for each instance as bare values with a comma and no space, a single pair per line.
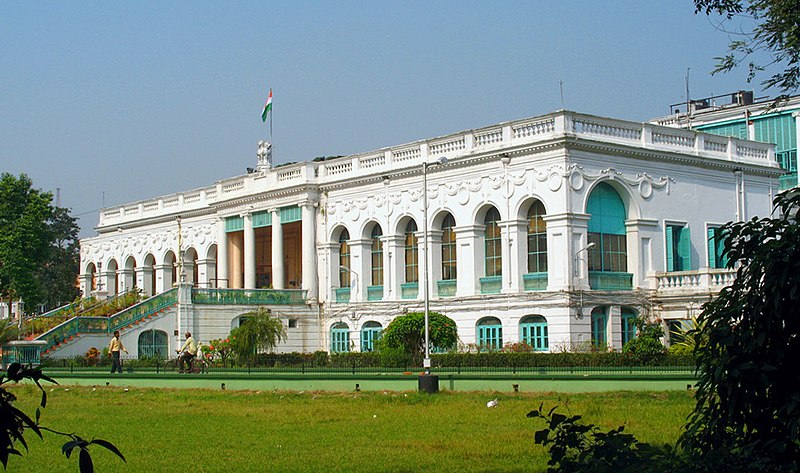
748,407
24,238
39,246
647,347
8,331
775,32
14,423
407,332
58,272
258,332
746,343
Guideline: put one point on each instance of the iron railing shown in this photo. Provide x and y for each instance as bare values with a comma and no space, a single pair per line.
249,296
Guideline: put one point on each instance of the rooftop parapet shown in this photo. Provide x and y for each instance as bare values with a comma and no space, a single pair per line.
499,138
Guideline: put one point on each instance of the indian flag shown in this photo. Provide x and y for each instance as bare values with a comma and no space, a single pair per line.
267,107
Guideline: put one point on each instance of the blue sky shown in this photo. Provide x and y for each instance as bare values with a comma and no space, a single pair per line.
125,101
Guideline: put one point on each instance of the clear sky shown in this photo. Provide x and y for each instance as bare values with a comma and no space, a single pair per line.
117,102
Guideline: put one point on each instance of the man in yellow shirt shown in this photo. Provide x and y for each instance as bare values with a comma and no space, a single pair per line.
187,354
114,347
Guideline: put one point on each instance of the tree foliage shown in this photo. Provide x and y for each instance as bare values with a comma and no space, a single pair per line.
647,347
578,447
258,332
407,333
39,249
748,402
746,343
63,261
14,423
775,31
24,238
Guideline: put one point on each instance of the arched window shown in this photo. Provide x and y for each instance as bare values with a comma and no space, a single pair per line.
377,256
344,259
493,259
628,325
340,338
599,324
533,331
152,344
607,230
449,264
411,253
370,333
537,239
490,333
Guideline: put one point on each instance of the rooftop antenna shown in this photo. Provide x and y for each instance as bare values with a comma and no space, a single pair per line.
561,87
58,197
688,111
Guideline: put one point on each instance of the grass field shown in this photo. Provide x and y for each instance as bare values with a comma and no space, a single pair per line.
202,430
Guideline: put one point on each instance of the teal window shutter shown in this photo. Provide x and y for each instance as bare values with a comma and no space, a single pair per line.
670,249
685,249
713,262
599,321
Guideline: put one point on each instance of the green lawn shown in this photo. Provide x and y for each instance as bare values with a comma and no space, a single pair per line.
202,430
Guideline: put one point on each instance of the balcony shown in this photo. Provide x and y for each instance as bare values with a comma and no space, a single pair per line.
535,281
249,296
610,281
698,280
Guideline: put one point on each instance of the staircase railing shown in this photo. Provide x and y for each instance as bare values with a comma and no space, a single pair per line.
143,309
83,324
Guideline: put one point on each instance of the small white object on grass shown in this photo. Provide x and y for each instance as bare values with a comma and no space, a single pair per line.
492,403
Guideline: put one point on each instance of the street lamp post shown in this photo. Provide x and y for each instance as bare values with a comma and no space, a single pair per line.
426,362
585,248
354,281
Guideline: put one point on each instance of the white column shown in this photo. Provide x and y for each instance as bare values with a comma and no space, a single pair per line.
388,260
435,262
330,269
125,280
249,252
109,279
518,230
469,254
163,277
86,284
222,255
277,251
394,261
309,248
562,243
360,252
512,247
205,272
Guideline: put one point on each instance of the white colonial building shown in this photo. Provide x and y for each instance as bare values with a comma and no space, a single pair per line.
556,230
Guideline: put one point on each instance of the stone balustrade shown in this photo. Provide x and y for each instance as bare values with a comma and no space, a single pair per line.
699,280
459,146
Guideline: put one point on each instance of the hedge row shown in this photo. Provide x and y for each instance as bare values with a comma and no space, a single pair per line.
323,359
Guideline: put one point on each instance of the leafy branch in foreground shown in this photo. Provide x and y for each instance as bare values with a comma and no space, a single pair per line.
579,447
769,33
14,422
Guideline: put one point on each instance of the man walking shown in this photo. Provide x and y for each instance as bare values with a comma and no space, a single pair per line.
114,347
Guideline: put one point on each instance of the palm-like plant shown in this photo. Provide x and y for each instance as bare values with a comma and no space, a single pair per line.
259,332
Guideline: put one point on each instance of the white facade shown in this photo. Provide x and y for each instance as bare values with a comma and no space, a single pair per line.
311,226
